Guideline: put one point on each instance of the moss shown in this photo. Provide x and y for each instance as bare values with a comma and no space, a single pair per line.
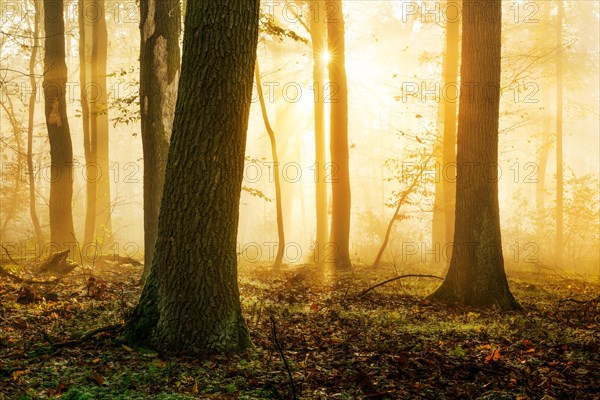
145,316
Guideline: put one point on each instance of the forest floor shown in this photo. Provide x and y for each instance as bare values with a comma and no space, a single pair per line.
389,343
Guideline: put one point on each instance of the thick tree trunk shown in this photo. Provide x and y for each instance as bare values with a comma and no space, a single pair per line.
444,232
559,134
39,237
340,186
318,35
476,274
61,150
190,302
280,231
159,75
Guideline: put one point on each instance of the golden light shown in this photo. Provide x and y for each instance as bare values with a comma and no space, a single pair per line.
326,57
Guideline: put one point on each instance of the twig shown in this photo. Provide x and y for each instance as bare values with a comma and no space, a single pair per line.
579,301
287,367
9,256
395,279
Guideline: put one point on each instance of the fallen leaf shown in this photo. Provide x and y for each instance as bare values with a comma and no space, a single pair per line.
129,349
493,356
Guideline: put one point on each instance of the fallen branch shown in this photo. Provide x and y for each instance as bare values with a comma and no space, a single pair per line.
594,300
17,278
61,345
85,337
287,366
395,279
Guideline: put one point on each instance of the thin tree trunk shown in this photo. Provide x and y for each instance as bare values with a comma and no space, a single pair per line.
16,129
89,134
99,122
450,96
443,232
159,76
280,231
340,186
540,187
61,150
39,237
401,201
559,133
318,34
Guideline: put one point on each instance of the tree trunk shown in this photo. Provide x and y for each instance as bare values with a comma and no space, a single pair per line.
190,302
99,122
540,187
93,44
476,274
159,75
16,189
559,134
39,237
280,230
449,142
89,141
444,232
318,35
340,185
61,149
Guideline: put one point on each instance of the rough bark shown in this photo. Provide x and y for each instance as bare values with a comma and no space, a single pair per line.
190,301
318,35
340,186
476,275
160,60
59,135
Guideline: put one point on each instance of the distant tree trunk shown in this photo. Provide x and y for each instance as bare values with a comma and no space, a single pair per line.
444,232
280,230
16,126
99,123
540,188
93,43
340,186
89,138
160,59
476,274
190,302
559,133
39,237
545,144
318,34
61,149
